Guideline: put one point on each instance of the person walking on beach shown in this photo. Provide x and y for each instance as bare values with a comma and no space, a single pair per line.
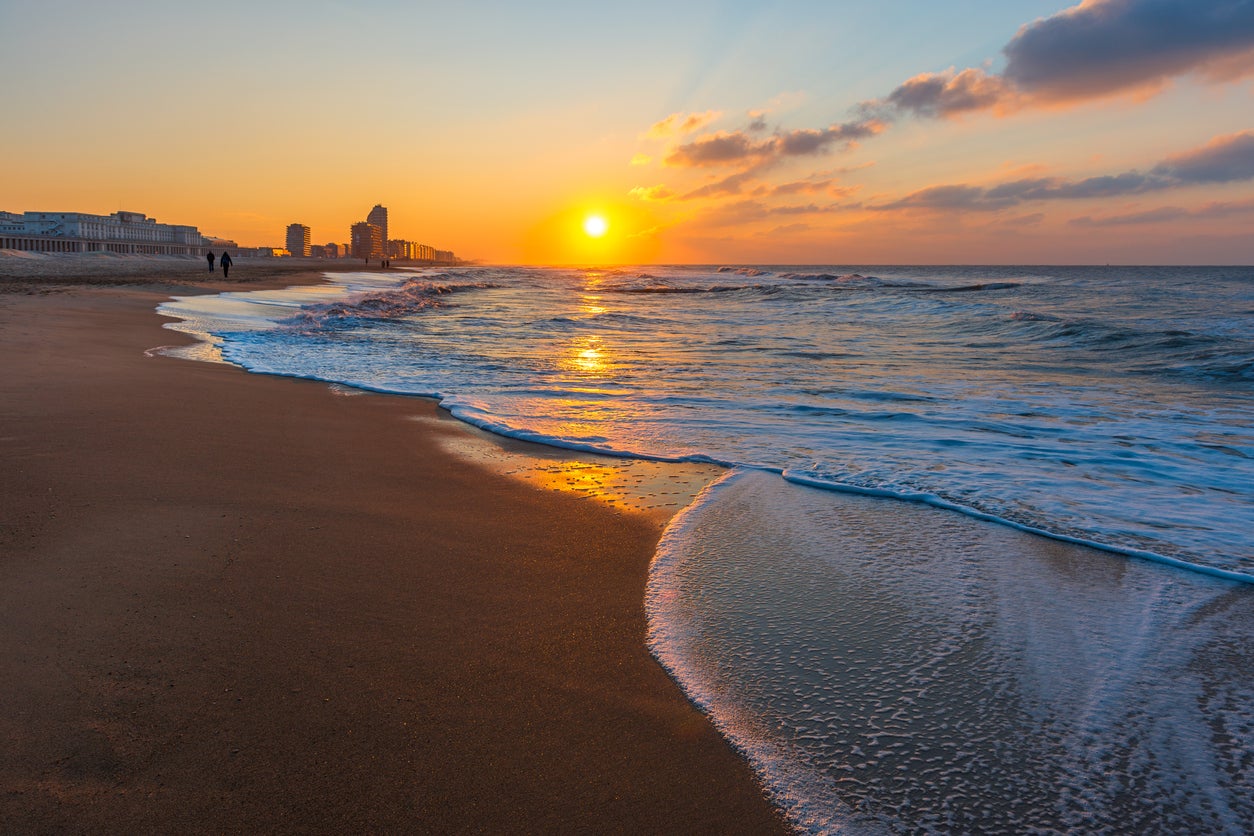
210,257
225,261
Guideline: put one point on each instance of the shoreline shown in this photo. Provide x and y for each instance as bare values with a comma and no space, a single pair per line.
237,601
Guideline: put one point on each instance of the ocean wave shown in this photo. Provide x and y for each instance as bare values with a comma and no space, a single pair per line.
751,272
847,278
1170,351
662,286
411,297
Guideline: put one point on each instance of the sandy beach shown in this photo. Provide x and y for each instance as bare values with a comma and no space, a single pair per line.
238,603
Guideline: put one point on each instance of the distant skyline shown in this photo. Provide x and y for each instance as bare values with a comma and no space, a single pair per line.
973,131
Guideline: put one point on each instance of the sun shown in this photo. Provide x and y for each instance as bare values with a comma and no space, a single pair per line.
595,225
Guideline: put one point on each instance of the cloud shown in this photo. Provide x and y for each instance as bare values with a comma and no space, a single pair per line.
720,149
811,185
681,123
727,148
958,196
788,229
1165,214
1096,49
651,193
948,93
1101,47
641,159
739,212
1024,220
1052,188
808,141
1224,159
732,184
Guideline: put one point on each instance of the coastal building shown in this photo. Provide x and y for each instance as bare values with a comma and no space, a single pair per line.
216,244
379,217
78,232
367,240
298,240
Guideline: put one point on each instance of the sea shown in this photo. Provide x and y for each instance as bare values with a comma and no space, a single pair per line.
981,558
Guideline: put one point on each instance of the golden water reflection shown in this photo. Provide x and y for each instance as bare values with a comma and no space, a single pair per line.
586,355
657,489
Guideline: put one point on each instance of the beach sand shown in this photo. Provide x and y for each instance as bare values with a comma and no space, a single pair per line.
238,603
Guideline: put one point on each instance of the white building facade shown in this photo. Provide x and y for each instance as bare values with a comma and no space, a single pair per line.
75,232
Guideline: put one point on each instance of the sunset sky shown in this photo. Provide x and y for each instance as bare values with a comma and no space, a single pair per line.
899,131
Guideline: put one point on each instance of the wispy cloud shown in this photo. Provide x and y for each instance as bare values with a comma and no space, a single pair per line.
733,184
1225,159
652,193
1163,214
812,185
681,123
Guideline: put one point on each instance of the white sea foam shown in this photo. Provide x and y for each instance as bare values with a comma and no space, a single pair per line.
893,668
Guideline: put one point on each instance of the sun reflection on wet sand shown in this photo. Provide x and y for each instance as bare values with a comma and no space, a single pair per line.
656,489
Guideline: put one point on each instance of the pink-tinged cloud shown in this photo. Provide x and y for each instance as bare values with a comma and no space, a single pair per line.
1224,159
1164,214
811,186
730,185
681,123
1098,48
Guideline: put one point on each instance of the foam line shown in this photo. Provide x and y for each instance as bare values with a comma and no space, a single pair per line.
932,499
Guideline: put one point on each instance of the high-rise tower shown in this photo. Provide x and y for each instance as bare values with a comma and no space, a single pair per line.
379,217
298,240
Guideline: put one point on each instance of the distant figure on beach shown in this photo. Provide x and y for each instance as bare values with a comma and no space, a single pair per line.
225,261
210,257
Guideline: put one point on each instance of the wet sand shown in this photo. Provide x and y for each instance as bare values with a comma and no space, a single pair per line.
231,602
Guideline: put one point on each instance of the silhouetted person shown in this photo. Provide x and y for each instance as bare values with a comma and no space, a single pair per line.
225,261
210,257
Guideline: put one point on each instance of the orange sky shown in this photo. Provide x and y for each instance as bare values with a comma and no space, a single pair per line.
717,132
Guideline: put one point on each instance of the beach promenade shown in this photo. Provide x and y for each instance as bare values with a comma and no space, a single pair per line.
238,603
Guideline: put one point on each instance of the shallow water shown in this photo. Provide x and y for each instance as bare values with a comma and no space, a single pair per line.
900,668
